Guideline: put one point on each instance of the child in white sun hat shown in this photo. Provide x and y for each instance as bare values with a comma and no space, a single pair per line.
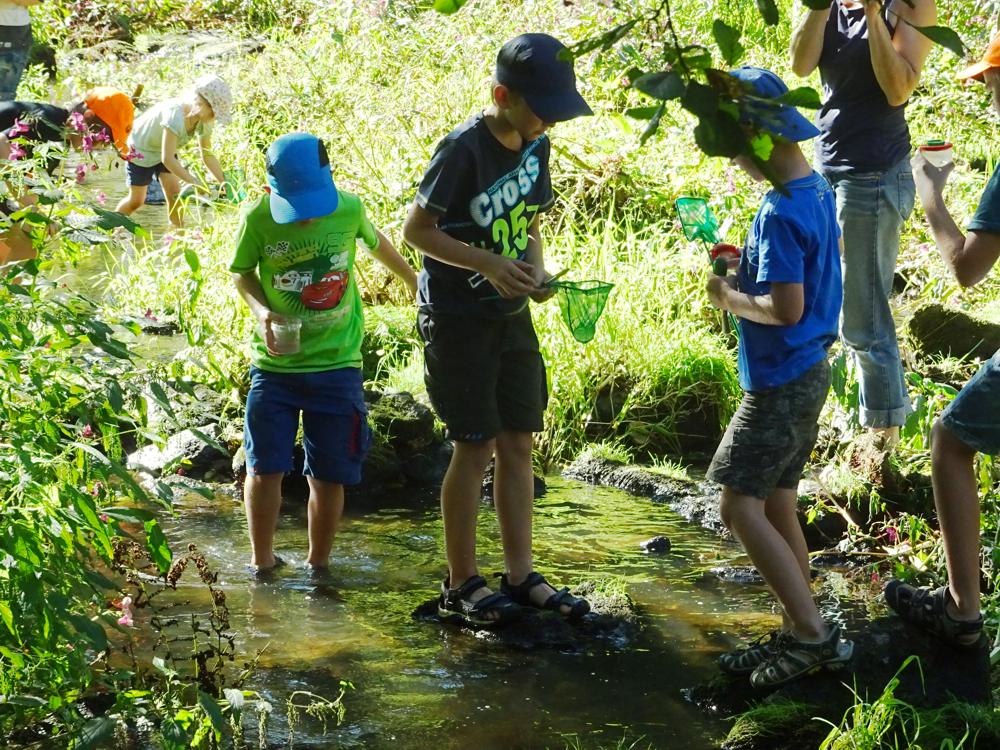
162,130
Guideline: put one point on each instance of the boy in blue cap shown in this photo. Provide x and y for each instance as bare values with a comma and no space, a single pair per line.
294,267
475,219
787,294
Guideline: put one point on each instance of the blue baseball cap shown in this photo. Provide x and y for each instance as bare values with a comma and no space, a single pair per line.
532,66
298,173
779,119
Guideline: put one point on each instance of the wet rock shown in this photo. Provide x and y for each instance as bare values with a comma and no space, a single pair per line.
184,452
427,467
881,648
487,496
741,574
612,618
937,330
201,405
405,423
698,502
157,327
658,545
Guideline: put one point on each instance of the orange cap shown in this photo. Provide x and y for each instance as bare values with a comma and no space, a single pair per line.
991,59
115,109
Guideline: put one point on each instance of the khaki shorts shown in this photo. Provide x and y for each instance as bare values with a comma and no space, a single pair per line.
771,436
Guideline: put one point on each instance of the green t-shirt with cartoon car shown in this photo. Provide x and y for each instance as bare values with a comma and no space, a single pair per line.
307,272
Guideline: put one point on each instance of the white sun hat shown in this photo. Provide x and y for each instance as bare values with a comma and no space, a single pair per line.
216,92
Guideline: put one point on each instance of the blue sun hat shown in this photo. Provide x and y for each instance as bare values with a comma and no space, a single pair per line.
298,173
782,120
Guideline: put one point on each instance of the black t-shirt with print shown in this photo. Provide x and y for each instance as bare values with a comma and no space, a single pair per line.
488,196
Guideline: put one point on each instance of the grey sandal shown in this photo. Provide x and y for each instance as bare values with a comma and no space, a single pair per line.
795,658
927,608
745,660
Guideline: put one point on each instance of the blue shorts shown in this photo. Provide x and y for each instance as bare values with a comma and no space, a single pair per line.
336,436
137,176
974,416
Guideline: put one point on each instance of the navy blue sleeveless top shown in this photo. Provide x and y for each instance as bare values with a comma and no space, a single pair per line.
860,131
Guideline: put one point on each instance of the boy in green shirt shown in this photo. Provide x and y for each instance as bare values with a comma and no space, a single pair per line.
294,267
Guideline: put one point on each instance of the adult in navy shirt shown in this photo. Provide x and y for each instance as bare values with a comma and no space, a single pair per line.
971,423
869,56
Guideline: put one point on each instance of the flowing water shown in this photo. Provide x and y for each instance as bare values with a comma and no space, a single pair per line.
420,685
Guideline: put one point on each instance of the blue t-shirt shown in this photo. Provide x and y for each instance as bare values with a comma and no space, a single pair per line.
794,239
987,218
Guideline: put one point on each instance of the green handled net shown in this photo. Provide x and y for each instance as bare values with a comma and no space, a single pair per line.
697,219
582,303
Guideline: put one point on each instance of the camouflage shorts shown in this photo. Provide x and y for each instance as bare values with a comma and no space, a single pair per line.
771,436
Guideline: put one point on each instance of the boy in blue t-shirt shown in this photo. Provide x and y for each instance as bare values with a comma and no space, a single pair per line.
787,295
971,423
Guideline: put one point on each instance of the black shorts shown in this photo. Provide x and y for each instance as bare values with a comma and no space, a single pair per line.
484,375
137,176
771,435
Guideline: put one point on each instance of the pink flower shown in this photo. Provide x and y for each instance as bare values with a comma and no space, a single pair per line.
132,154
17,152
76,122
891,534
19,128
101,198
87,431
88,143
104,517
730,181
97,489
875,577
126,608
81,173
181,471
93,167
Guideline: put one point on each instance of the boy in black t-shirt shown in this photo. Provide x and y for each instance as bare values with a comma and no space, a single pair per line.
475,219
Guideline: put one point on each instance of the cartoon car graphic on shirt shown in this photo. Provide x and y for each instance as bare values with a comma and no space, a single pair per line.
327,292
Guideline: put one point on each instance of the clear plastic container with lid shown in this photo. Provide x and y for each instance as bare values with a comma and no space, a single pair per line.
937,152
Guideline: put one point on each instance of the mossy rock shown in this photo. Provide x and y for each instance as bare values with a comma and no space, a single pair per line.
940,331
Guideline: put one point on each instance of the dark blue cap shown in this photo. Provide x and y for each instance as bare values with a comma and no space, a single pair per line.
780,119
298,172
531,66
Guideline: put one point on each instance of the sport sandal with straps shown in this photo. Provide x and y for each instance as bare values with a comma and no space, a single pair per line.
927,609
743,661
492,610
794,658
521,593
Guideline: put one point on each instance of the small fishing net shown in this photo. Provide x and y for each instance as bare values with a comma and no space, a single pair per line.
582,303
697,219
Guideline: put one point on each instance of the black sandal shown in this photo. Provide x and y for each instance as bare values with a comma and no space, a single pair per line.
491,610
562,598
927,608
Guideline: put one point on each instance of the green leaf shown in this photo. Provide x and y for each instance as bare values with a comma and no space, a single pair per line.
663,85
214,713
653,126
156,542
129,515
700,100
448,6
643,113
769,11
111,219
944,36
728,40
804,96
720,135
89,629
8,618
95,733
697,57
600,41
762,145
193,261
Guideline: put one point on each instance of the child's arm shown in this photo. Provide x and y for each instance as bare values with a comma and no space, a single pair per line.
782,307
969,258
512,278
386,254
168,155
211,162
248,285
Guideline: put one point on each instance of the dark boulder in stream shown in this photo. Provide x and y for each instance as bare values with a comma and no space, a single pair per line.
612,618
783,718
942,331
